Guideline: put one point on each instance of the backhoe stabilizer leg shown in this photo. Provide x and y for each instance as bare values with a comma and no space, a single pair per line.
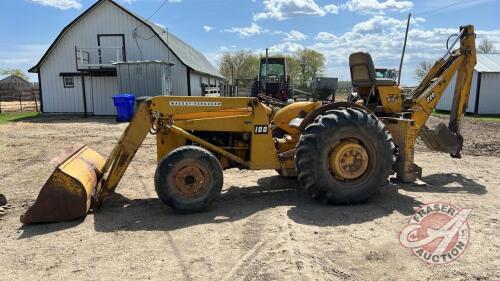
407,171
404,135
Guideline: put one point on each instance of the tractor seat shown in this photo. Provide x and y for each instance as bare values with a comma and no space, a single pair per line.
363,72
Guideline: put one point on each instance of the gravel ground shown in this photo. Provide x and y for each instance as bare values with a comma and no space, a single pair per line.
263,227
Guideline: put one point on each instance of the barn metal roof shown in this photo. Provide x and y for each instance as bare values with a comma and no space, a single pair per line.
8,79
187,54
184,52
488,63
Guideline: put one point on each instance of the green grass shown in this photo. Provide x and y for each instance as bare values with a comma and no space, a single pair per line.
486,118
17,116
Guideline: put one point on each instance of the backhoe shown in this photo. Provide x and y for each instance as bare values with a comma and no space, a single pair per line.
340,152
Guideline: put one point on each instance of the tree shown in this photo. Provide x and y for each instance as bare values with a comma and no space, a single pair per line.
422,70
18,72
486,46
311,64
239,65
293,69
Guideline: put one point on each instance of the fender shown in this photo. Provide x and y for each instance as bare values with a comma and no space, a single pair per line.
327,107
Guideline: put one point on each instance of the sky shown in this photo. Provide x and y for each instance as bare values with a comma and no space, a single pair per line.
335,28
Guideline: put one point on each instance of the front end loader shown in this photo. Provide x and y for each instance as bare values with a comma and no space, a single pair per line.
340,152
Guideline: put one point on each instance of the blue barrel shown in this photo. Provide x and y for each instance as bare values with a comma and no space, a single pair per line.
124,104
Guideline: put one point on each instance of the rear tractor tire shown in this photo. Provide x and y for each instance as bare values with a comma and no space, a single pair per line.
344,156
189,179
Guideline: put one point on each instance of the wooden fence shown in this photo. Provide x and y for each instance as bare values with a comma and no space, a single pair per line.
228,90
210,91
19,100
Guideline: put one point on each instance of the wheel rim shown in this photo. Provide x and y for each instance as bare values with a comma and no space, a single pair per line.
190,179
348,160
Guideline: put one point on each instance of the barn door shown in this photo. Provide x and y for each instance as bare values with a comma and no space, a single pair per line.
89,94
103,90
112,48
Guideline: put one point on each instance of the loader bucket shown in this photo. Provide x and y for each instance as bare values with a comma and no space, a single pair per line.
68,192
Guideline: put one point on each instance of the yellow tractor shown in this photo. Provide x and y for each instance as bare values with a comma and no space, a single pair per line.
341,152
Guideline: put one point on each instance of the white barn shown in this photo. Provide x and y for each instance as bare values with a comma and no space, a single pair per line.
484,97
76,74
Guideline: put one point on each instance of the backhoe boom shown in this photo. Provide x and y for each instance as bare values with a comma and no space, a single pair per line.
424,99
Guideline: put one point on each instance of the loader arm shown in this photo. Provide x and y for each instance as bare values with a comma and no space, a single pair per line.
83,178
164,108
124,151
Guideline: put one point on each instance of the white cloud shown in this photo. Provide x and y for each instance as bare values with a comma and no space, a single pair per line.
375,6
208,28
60,4
325,36
245,32
285,48
173,1
295,35
379,34
331,8
383,38
284,9
378,24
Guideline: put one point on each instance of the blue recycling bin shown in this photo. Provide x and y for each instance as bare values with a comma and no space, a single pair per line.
124,104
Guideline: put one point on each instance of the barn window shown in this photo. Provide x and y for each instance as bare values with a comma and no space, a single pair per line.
69,82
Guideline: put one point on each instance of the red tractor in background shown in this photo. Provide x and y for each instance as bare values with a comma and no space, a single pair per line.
272,80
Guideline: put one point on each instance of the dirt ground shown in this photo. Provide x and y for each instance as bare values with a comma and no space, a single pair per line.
263,227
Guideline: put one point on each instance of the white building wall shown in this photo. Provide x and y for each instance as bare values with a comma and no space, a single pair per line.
104,19
195,84
55,97
489,96
101,91
197,79
447,99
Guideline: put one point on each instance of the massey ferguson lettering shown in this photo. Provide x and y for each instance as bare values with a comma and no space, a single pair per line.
196,103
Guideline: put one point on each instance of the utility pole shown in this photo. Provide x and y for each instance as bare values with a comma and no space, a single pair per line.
404,49
232,74
267,61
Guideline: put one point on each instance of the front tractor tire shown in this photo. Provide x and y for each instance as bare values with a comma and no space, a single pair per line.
189,179
344,156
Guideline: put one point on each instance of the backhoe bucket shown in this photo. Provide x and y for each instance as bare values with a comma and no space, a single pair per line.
442,139
68,192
